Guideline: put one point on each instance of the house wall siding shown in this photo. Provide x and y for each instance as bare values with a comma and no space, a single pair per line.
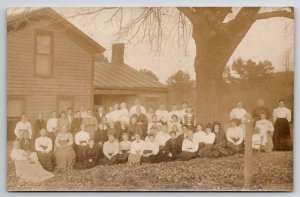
71,72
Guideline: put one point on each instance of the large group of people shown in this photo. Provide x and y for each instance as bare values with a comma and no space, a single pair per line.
83,139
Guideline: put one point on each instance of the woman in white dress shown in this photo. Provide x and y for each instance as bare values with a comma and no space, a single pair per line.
28,168
265,129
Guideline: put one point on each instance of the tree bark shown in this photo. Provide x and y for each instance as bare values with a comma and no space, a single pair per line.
210,61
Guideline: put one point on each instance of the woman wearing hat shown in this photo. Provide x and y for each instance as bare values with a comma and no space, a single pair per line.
28,169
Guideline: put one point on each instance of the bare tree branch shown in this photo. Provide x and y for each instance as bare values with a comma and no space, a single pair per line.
188,12
279,13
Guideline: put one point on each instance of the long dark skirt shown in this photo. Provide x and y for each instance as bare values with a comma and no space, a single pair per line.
46,160
149,159
205,150
185,156
282,136
123,157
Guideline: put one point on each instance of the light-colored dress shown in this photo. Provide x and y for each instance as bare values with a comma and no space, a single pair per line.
266,129
64,153
28,168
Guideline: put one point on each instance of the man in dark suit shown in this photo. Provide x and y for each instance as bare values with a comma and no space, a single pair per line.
100,114
181,137
142,119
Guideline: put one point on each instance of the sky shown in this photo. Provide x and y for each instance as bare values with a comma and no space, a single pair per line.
270,39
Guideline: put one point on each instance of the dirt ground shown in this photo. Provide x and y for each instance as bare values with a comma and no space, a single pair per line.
272,172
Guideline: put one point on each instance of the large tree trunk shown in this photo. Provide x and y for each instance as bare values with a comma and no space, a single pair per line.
209,88
212,54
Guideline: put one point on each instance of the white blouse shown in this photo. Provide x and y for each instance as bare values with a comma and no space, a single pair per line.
235,133
162,115
238,113
43,141
161,138
82,136
190,145
137,147
23,125
200,136
282,112
153,146
210,138
52,125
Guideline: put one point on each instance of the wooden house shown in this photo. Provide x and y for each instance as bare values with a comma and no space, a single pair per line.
50,65
118,82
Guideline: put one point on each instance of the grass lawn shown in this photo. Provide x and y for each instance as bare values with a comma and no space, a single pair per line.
272,171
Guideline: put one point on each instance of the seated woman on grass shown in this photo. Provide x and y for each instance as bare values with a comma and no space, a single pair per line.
136,149
206,147
124,149
220,144
174,122
111,150
100,137
64,153
26,143
81,140
28,168
189,147
170,149
151,149
235,137
43,147
266,130
91,155
199,134
161,138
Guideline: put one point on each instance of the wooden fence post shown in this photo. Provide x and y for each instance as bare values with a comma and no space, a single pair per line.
248,153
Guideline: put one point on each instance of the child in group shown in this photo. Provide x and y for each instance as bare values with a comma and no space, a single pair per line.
175,122
189,118
110,150
91,155
136,149
150,150
124,149
266,130
206,147
189,147
256,140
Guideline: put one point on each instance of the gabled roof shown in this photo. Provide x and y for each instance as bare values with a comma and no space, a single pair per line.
121,76
18,21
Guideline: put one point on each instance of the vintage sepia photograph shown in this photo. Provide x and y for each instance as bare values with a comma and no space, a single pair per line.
150,98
